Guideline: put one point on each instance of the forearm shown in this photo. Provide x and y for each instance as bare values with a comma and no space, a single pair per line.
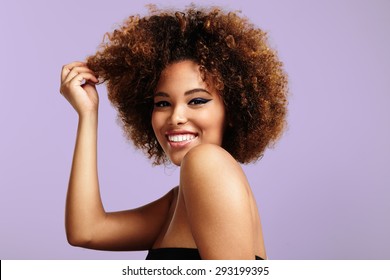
84,209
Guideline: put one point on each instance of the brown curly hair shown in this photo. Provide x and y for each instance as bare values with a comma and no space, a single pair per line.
228,48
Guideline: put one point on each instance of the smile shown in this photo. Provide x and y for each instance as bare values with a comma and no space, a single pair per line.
176,138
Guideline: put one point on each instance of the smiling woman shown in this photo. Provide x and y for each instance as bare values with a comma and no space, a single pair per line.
187,111
200,88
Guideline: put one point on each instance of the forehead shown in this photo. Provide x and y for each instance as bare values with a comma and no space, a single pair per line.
184,73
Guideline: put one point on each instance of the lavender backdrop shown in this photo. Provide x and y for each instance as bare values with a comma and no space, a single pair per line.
323,192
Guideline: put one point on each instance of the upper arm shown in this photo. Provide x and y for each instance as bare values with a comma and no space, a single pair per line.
135,229
216,196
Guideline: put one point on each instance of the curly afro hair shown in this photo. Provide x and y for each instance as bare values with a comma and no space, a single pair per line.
228,48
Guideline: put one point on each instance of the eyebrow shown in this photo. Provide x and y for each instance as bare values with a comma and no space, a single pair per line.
188,92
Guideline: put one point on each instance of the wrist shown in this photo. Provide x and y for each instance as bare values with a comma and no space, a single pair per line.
88,116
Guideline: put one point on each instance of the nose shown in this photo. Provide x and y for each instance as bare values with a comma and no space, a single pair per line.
178,116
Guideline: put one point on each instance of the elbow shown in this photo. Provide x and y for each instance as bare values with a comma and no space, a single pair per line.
74,242
77,240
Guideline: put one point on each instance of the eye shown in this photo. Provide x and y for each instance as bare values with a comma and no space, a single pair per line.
161,104
198,101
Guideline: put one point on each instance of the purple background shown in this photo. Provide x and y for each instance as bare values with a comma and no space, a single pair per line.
323,192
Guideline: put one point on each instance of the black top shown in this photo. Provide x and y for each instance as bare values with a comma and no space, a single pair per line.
176,254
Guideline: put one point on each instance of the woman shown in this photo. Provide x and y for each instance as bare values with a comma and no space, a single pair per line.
200,88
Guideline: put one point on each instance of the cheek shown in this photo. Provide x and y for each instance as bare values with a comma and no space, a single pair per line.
158,123
221,123
155,123
219,116
214,120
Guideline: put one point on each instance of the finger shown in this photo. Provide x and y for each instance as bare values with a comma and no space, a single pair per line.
75,71
68,67
79,79
88,87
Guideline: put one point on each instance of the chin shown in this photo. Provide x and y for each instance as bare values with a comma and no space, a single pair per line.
177,157
176,160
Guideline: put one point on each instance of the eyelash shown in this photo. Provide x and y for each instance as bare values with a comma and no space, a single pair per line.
195,101
161,104
198,101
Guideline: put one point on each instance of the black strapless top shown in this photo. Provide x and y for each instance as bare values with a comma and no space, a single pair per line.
176,254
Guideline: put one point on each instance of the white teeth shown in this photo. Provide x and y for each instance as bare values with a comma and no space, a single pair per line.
180,137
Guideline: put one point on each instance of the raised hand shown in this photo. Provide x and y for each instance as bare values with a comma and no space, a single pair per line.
78,87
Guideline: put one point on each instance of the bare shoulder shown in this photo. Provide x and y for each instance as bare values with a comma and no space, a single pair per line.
210,159
217,198
209,169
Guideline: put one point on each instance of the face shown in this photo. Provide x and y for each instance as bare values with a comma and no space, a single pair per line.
187,111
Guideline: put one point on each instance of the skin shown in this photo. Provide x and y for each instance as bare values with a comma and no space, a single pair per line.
208,210
185,105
